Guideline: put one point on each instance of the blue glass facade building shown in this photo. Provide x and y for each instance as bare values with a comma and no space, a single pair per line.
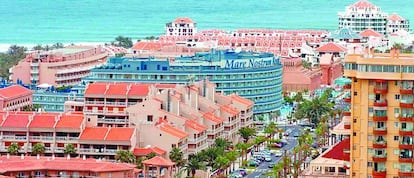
256,76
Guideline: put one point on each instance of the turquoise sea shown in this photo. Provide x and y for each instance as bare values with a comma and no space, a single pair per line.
67,21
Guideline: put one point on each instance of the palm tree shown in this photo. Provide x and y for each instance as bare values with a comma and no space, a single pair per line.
258,141
222,162
125,156
246,133
123,42
232,157
38,148
223,143
298,97
176,156
275,171
57,45
314,109
243,147
13,149
38,47
69,149
193,165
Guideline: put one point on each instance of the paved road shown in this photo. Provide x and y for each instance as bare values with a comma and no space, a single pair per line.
292,142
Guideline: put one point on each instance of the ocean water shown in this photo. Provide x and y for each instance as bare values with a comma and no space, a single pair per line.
51,21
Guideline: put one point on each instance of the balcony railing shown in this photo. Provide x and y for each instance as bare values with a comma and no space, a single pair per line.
43,138
95,102
379,158
347,125
115,103
381,89
406,104
196,140
347,98
347,86
380,103
347,113
406,90
380,117
405,159
380,131
106,120
406,117
379,144
66,138
406,145
406,132
98,151
379,173
12,137
405,172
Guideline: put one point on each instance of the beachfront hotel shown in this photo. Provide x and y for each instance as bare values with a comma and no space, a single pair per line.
15,98
381,98
254,76
65,66
364,15
181,26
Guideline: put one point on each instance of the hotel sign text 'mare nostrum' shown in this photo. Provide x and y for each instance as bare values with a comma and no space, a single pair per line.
250,63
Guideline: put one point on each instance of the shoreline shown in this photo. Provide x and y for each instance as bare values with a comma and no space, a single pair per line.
5,46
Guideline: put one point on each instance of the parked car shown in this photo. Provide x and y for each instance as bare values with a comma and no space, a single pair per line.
252,163
296,134
268,158
278,153
242,172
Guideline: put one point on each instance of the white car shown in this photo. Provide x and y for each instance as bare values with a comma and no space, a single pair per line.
278,153
268,158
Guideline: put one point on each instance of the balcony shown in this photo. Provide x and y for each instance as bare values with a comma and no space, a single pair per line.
63,138
41,138
405,159
347,86
406,117
106,120
381,88
379,144
197,140
405,132
406,104
347,113
380,131
12,137
110,103
59,149
379,173
379,158
380,103
379,117
405,145
95,102
347,125
406,90
405,173
97,151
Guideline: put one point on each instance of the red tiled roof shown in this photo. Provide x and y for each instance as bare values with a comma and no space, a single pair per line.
370,32
195,126
331,47
147,46
139,90
337,152
117,89
395,17
15,163
183,20
158,161
43,121
146,151
163,86
242,100
173,131
14,91
362,4
16,121
120,134
94,133
228,109
70,121
95,88
210,116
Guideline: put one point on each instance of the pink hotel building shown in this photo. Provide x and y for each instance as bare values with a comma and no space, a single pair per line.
140,118
65,66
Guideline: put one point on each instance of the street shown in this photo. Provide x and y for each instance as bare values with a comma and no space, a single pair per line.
292,142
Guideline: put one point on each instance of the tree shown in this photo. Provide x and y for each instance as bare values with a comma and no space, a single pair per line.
13,149
15,50
176,156
123,42
314,109
193,165
38,47
298,97
223,143
246,133
70,149
221,162
57,46
243,147
34,107
258,141
125,156
232,157
38,148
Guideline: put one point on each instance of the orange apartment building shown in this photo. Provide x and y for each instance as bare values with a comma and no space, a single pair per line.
381,99
65,66
15,98
27,166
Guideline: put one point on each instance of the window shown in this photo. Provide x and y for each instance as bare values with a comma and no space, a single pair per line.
370,137
396,138
369,164
354,134
149,118
370,123
353,147
355,93
396,124
396,110
397,97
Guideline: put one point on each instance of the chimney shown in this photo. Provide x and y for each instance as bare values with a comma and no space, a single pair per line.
37,156
53,156
68,157
22,156
8,155
84,157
